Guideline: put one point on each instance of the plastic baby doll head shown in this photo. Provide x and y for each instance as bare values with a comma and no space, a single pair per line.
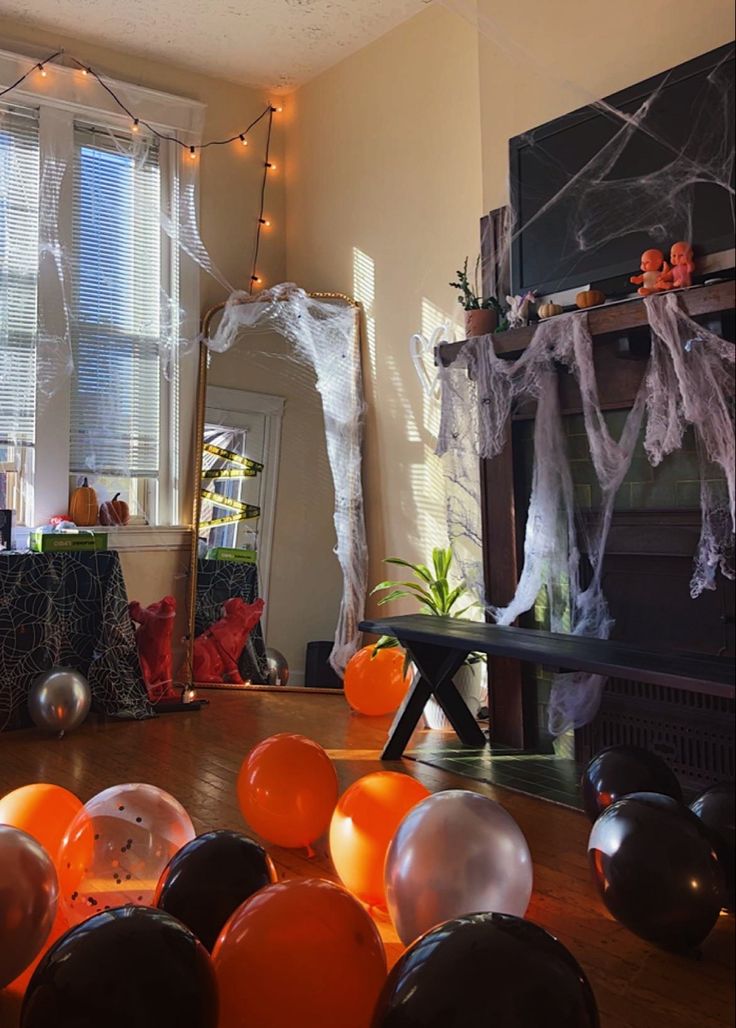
651,260
681,253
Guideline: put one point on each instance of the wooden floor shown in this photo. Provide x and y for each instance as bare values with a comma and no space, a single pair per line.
196,757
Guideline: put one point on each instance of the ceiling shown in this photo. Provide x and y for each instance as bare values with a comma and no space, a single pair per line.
263,43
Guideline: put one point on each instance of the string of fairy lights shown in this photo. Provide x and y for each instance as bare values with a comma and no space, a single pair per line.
191,150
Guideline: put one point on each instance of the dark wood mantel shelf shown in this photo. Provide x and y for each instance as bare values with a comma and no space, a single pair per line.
610,319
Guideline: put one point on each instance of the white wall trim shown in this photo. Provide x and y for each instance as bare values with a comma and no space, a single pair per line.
69,89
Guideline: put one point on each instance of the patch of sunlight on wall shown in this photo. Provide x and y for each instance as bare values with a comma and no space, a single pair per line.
428,492
398,403
364,290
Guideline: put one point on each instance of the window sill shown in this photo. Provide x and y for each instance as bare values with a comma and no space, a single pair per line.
148,537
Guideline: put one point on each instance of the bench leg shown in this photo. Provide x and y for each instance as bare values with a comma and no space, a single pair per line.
436,666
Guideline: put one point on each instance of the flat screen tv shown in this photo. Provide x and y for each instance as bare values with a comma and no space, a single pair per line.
593,189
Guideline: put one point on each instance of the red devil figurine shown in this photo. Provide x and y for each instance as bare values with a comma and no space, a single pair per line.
153,638
217,650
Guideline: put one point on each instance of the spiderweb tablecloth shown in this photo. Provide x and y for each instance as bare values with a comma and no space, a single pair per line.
69,609
217,581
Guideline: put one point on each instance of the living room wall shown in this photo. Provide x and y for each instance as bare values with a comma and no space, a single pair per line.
384,197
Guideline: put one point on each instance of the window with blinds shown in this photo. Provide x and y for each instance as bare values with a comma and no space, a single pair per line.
19,184
116,388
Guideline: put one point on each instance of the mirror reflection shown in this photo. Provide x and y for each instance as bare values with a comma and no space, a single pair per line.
269,586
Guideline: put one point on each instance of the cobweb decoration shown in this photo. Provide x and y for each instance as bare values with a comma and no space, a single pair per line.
689,382
603,201
323,335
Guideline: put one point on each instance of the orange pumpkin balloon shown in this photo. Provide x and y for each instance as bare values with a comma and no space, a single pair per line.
287,790
375,683
43,811
363,825
300,953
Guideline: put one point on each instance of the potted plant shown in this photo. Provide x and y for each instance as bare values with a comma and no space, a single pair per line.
481,314
431,587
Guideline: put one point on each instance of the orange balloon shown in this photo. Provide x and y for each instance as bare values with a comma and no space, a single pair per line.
43,811
287,790
363,825
375,682
301,953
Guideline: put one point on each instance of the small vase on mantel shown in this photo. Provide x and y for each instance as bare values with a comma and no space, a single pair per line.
480,322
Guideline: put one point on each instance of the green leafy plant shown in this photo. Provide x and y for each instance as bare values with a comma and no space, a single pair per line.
470,297
431,588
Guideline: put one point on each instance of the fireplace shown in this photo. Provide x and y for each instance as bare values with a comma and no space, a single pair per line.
647,570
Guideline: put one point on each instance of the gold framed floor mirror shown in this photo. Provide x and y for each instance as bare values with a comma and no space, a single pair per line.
278,555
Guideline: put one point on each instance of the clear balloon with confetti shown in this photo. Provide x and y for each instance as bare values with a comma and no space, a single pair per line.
116,848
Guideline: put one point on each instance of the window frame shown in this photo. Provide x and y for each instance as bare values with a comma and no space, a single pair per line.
65,96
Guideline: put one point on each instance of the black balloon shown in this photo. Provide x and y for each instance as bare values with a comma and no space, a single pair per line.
620,770
131,967
208,879
486,969
656,870
716,808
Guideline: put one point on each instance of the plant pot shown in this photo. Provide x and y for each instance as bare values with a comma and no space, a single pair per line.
470,682
480,322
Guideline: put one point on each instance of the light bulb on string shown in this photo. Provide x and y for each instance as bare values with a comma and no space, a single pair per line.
270,166
243,140
135,127
42,70
256,279
192,154
265,222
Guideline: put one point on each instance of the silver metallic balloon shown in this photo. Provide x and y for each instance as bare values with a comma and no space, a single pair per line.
278,667
28,895
59,700
455,853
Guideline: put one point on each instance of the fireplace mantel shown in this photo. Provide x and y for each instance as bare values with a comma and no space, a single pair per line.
610,319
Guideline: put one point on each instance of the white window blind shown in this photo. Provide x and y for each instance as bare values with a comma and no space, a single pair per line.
19,179
116,390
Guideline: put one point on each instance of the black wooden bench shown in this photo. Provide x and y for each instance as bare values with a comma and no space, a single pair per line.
438,647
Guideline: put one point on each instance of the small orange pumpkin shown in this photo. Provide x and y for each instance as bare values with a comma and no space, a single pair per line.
83,505
590,298
114,511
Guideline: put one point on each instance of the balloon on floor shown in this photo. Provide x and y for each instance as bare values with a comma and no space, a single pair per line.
117,846
365,820
620,770
302,953
28,897
487,970
287,790
59,700
455,853
208,879
43,811
717,810
375,682
656,871
132,967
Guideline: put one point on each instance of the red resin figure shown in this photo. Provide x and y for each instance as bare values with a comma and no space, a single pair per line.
217,650
680,275
653,266
153,639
